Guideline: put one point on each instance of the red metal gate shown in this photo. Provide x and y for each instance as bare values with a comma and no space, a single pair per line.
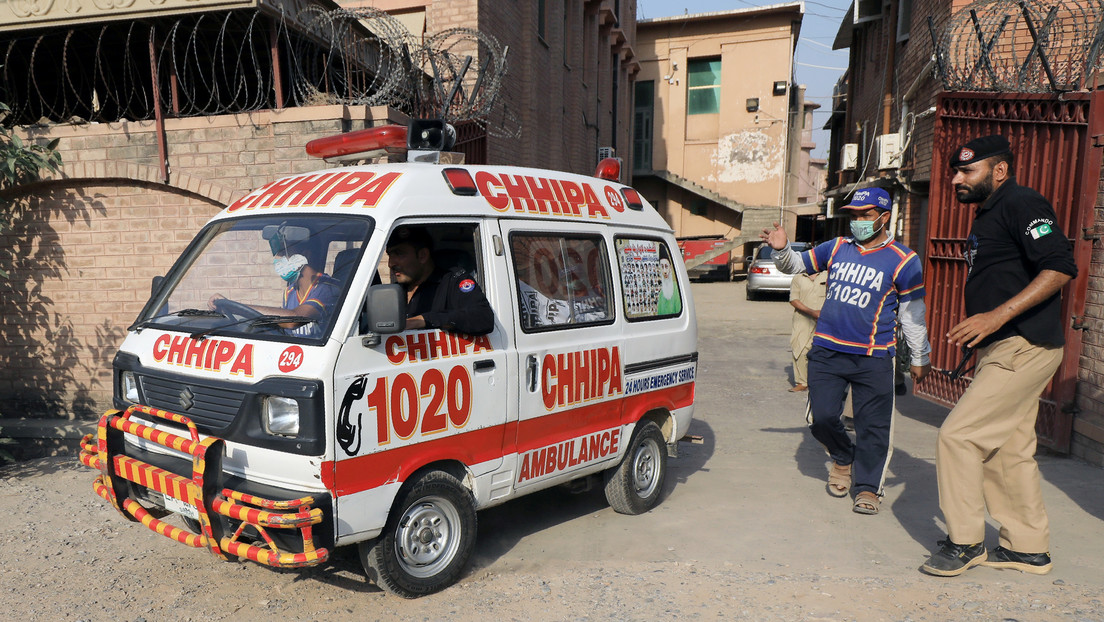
1052,138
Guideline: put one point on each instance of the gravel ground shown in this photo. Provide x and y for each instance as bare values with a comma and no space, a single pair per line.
745,532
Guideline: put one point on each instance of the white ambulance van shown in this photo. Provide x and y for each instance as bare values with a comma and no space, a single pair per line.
276,437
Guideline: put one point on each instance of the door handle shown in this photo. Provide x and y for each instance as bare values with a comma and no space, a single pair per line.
531,372
483,365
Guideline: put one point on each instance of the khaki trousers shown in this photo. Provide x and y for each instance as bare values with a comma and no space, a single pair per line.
985,458
801,365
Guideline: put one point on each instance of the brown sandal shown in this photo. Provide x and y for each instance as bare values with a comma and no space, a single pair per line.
839,479
866,502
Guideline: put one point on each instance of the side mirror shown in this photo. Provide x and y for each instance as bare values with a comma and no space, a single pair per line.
748,259
384,312
157,281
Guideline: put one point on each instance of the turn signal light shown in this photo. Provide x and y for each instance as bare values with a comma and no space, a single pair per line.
632,198
460,181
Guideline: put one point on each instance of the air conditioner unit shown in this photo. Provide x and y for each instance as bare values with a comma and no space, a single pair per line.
606,152
849,157
888,148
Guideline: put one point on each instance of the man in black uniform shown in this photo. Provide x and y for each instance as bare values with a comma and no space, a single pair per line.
436,298
1018,260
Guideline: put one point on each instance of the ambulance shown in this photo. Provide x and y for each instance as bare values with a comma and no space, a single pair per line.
258,434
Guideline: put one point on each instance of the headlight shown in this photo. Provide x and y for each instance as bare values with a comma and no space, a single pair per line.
281,416
130,387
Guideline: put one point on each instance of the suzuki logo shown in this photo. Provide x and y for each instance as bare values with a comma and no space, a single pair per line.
187,399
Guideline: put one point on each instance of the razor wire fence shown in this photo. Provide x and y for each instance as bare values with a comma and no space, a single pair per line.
1021,46
248,60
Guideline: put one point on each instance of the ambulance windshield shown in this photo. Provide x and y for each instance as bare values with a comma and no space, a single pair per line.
271,276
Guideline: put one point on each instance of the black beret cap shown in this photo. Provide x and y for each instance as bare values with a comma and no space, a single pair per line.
418,237
979,149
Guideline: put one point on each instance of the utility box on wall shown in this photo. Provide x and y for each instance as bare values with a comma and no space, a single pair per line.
888,149
849,157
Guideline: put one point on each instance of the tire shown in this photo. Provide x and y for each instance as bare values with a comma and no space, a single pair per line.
751,295
634,485
428,540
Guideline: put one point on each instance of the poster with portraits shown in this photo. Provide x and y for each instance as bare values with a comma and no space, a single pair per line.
648,279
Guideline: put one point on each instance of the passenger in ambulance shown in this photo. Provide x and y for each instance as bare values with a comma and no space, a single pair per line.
437,297
309,293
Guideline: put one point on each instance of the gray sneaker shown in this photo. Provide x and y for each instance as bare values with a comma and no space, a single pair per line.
1035,563
953,559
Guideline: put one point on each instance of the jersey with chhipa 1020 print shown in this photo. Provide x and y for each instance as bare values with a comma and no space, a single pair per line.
864,290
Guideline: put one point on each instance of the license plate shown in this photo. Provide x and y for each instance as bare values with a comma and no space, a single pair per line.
173,504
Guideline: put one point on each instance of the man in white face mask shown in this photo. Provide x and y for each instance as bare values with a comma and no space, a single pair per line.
872,282
309,294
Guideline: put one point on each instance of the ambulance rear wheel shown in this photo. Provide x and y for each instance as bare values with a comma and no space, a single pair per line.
428,540
634,485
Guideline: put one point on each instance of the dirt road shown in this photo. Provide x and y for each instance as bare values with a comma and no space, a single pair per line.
745,532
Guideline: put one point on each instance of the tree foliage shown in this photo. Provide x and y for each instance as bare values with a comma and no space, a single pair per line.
21,163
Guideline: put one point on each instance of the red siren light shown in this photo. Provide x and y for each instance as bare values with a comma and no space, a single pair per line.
609,169
384,138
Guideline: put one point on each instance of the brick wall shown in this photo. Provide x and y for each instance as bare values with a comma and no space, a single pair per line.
558,91
1087,441
89,241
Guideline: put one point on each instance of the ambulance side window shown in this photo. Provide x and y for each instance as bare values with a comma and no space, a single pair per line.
562,281
648,279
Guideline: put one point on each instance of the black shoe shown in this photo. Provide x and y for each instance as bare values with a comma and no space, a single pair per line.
900,389
953,559
1035,563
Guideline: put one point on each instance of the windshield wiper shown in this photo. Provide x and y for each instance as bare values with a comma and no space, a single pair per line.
262,320
181,313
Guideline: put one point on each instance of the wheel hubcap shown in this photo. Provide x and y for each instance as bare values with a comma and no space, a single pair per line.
428,536
645,461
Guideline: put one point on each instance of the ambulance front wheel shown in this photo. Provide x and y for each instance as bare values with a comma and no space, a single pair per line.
634,485
428,539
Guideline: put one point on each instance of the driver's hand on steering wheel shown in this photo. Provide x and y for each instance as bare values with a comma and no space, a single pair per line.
213,299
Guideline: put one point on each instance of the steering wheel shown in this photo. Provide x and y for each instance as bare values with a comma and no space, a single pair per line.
237,309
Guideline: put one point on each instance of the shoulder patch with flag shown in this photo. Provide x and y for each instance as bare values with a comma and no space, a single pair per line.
1040,230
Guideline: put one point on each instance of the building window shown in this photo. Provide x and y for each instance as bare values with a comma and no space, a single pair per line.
704,86
562,280
904,20
643,115
541,11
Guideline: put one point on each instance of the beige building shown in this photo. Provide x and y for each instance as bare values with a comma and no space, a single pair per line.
719,126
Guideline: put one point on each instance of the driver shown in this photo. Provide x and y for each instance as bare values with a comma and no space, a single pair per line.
309,294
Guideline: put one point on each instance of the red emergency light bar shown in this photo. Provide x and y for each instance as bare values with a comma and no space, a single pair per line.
386,138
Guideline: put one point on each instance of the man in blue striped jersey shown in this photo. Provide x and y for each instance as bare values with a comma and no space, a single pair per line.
873,282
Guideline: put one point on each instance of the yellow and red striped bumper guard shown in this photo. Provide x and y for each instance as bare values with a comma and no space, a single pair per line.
104,452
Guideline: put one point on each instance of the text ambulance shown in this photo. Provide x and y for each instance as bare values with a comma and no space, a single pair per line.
277,436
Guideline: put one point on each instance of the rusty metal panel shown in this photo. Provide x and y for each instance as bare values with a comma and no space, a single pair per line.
1053,154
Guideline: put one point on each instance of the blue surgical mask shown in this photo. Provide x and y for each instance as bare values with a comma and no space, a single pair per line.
863,230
